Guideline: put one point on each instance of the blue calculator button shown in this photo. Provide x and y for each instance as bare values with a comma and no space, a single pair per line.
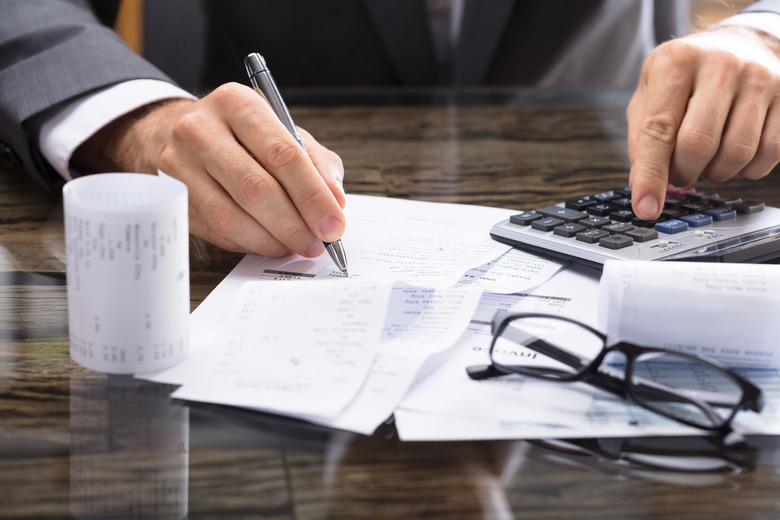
721,213
671,226
697,220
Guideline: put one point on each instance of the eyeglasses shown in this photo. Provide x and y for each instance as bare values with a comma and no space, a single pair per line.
684,387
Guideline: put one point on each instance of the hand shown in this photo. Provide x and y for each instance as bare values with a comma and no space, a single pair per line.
706,105
252,188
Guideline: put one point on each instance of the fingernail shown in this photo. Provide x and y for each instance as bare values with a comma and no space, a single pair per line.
315,249
647,207
332,229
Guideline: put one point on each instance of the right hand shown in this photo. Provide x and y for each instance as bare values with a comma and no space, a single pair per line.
252,187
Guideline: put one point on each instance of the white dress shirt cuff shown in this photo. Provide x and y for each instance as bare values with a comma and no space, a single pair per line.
767,22
70,124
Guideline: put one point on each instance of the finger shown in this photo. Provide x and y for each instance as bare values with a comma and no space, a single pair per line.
701,130
328,164
742,134
214,216
668,87
768,153
264,136
208,137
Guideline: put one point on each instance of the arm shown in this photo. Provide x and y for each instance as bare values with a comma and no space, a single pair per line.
706,107
251,186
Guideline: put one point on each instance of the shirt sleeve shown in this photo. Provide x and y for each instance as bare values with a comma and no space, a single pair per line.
70,124
764,20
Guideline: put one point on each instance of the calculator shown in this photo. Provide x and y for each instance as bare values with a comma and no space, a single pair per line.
694,226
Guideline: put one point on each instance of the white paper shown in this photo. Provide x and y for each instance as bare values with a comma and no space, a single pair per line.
723,311
444,388
419,322
127,247
276,356
604,416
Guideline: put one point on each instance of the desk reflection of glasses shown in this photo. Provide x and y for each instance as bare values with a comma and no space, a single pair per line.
684,387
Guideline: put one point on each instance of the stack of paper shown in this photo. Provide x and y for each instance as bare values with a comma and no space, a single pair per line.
292,336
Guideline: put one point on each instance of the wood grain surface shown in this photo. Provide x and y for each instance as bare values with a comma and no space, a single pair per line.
75,443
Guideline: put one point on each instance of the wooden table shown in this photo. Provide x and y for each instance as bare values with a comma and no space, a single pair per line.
78,443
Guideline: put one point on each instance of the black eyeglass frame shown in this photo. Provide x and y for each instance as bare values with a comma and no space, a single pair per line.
752,397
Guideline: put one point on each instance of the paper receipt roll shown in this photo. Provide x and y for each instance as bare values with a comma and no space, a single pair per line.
127,242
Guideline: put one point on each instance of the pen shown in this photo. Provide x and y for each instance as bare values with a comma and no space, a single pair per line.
264,84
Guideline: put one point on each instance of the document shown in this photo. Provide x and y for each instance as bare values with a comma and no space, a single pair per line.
444,404
604,415
275,356
722,311
438,259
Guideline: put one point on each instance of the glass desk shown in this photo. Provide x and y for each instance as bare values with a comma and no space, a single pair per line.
78,444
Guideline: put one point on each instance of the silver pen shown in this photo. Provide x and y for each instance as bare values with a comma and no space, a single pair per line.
264,84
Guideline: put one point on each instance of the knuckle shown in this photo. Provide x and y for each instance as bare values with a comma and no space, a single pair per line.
282,154
254,189
698,143
221,219
661,128
738,153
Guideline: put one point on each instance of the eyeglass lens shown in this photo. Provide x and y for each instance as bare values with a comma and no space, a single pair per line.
546,347
678,386
694,392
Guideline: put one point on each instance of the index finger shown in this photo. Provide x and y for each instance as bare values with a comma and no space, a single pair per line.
653,126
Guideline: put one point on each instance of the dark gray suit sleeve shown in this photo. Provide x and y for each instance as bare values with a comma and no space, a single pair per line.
52,51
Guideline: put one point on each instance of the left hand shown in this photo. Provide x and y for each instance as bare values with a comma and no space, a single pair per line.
707,105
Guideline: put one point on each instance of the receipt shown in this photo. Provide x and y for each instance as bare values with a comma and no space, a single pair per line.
127,243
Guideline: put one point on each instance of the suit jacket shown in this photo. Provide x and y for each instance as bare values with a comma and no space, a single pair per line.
389,42
52,51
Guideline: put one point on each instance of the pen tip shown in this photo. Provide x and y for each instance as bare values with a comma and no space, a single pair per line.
346,273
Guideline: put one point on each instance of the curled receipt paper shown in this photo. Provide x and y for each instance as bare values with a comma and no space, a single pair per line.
127,242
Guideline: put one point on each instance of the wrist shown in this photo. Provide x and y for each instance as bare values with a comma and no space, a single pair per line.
132,142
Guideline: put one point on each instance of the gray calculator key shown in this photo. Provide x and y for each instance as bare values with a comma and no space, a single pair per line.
524,219
568,230
642,234
565,214
591,236
546,223
616,241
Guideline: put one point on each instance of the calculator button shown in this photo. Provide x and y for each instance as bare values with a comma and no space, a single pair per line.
623,203
670,213
546,223
595,222
699,196
568,230
524,219
697,220
566,215
646,223
591,236
600,210
642,234
616,241
673,202
697,206
580,204
671,226
623,192
723,200
746,207
622,215
617,227
721,213
606,196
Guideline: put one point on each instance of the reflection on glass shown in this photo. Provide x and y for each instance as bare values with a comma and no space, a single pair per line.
691,461
129,449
